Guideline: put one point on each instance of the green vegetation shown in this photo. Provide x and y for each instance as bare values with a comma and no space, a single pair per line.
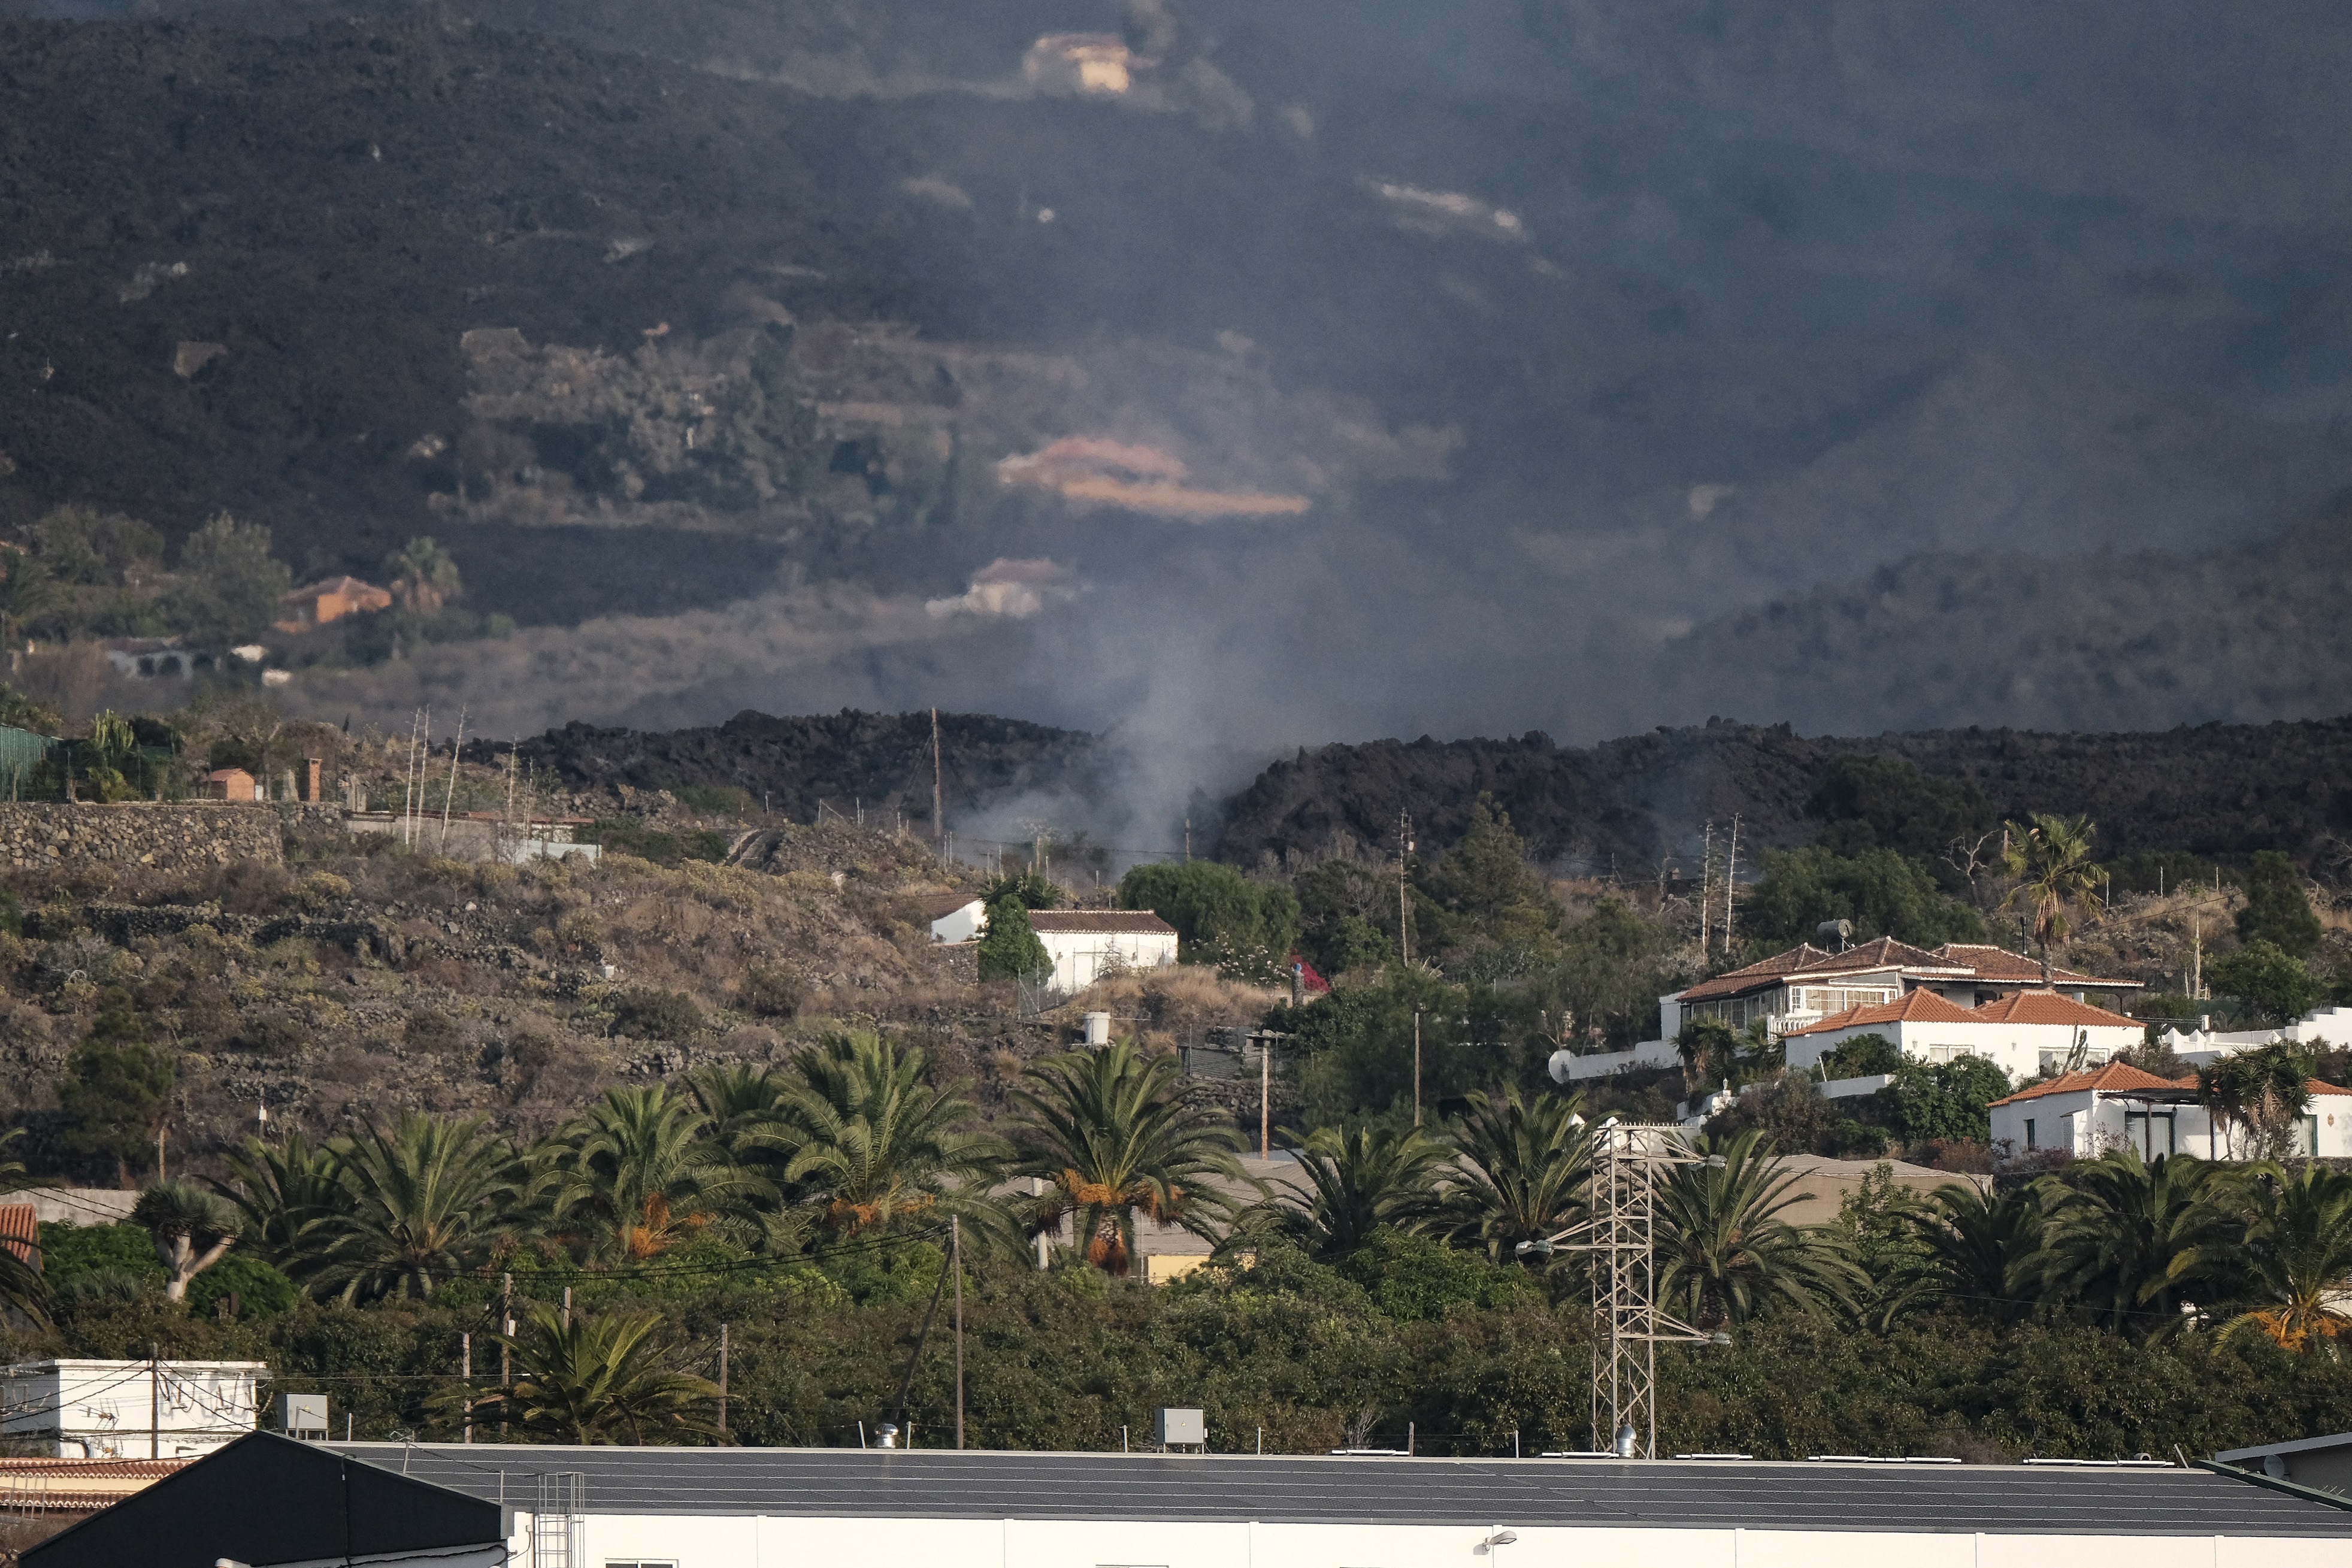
2050,860
1246,927
663,846
1009,948
1880,890
2276,986
2277,911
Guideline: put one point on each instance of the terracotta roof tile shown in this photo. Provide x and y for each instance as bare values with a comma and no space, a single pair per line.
2115,1078
2049,1008
1999,964
1921,1006
20,1232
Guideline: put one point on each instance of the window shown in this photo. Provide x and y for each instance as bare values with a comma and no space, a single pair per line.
2150,1132
2029,1132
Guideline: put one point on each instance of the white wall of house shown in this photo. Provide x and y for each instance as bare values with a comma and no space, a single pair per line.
1568,1066
739,1542
962,923
2087,1125
123,1410
2020,1050
2328,1026
1080,958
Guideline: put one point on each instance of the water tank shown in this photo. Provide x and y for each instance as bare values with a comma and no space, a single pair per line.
1097,1028
1180,1428
302,1415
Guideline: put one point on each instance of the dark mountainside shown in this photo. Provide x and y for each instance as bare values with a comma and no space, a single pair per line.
1576,334
2216,790
791,764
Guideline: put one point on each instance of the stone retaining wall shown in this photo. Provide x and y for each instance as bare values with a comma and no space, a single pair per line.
169,837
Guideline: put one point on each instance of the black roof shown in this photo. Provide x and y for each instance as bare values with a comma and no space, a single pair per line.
1662,1494
267,1499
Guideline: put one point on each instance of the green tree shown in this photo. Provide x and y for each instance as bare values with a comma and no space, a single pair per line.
1882,892
2051,858
230,585
431,1198
192,1229
115,1095
1220,915
1026,884
1945,1100
1862,1056
1525,1166
873,1143
1110,1131
597,1378
2298,1256
424,577
1009,948
2276,987
1867,802
2128,1238
2277,911
1980,1254
2265,1091
1360,1179
635,1175
1724,1252
1608,971
1498,919
285,1194
1346,913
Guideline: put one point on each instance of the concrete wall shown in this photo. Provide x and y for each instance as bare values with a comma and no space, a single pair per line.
1567,1067
168,837
1080,957
751,1542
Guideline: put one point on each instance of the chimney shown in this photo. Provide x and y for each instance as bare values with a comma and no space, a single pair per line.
310,779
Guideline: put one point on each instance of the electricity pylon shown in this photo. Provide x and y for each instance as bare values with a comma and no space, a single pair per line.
1627,1326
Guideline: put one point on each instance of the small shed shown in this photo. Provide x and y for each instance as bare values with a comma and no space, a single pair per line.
1086,944
231,784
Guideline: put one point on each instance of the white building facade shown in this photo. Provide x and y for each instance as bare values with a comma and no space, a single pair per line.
128,1409
2025,1034
2086,1114
1086,944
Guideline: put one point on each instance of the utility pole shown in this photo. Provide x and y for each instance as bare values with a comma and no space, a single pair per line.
955,1261
1705,887
154,1401
722,1380
939,791
1416,1066
1187,841
1404,854
450,794
466,1373
506,1352
1731,872
1265,1096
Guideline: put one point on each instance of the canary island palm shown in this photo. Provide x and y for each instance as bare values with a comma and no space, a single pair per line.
287,1195
2127,1238
1981,1253
1359,1179
2298,1257
2051,861
634,1177
1722,1251
873,1143
1526,1169
433,1198
1111,1133
601,1378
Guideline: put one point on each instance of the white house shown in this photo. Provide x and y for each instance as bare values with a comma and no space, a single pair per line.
1806,985
2023,1034
1086,943
2118,1106
128,1409
2327,1026
955,917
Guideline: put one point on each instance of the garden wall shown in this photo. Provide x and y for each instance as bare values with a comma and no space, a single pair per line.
166,836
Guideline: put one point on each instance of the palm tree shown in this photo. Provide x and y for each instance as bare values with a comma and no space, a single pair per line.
2298,1256
596,1379
2127,1238
1360,1179
1982,1252
1723,1249
434,1197
286,1195
424,577
192,1229
1110,1132
2051,861
1526,1168
745,1104
873,1143
2265,1090
638,1173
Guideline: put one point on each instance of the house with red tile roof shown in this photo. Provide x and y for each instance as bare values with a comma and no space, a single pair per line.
2024,1034
1806,985
2118,1106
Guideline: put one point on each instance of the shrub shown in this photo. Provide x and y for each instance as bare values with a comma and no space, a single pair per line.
645,1012
1009,948
1863,1056
771,993
716,800
663,847
2277,911
430,1030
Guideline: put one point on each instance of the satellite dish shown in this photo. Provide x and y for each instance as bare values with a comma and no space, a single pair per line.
1559,1065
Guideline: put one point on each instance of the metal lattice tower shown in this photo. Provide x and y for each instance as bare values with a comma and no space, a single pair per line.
1627,1326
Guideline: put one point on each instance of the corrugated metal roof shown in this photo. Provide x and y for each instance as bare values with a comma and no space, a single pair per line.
849,1483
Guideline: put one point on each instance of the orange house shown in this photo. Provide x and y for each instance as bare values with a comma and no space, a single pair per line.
331,600
230,784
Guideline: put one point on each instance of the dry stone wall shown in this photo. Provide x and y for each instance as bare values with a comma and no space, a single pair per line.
169,837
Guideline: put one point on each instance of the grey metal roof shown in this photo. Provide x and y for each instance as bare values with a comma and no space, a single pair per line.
1662,1494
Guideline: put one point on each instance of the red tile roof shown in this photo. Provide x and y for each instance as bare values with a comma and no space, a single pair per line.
20,1232
1807,961
1921,1006
2115,1078
1126,923
2049,1008
1999,964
